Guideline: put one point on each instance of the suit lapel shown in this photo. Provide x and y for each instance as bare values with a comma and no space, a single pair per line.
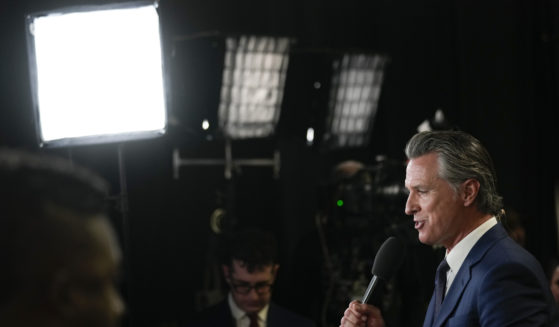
454,293
271,320
429,316
464,274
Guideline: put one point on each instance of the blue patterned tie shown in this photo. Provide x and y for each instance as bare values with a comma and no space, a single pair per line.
440,285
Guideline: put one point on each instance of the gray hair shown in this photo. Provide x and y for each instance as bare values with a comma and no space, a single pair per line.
461,157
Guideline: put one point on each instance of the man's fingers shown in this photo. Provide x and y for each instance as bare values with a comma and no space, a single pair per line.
345,322
352,318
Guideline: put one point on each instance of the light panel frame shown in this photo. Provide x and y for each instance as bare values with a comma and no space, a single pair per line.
138,107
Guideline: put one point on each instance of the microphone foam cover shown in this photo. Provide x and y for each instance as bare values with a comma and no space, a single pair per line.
389,258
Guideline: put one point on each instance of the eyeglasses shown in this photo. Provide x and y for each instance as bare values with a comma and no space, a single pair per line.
245,288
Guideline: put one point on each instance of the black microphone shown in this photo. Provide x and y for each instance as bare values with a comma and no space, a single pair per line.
389,257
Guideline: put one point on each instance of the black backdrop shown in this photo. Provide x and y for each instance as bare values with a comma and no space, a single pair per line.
490,66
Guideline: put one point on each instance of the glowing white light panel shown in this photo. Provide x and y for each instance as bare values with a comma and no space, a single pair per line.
354,94
252,85
98,73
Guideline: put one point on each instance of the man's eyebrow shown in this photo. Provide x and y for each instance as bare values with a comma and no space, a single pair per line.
249,283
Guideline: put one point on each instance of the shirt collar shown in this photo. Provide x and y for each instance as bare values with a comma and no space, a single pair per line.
239,314
456,257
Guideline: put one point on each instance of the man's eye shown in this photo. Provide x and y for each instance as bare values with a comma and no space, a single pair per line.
243,285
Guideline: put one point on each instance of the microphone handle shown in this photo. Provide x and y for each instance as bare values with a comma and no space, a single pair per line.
370,288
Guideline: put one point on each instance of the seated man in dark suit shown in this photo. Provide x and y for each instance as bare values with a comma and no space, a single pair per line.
250,266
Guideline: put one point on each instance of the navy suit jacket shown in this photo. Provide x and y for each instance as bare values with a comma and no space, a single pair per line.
220,316
499,284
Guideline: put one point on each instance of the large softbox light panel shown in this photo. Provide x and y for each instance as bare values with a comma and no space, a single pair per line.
97,73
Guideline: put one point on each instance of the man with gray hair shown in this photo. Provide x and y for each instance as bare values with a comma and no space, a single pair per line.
486,278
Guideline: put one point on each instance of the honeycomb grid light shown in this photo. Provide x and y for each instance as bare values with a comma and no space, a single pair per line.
354,94
252,85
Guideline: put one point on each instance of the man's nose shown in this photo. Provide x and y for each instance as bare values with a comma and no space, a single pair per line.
411,206
253,293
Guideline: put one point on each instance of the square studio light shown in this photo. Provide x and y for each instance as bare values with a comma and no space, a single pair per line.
252,85
97,73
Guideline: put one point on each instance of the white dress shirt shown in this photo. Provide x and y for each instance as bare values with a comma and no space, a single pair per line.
241,317
455,258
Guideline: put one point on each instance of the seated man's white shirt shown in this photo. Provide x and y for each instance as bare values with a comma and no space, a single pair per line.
241,318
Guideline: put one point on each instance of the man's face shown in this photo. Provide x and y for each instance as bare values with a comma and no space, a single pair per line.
435,206
92,291
259,285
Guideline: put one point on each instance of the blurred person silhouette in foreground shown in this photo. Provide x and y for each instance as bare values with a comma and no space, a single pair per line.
58,252
553,276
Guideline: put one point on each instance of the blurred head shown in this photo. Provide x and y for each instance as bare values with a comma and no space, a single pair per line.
450,179
554,284
512,220
351,190
61,257
552,273
250,267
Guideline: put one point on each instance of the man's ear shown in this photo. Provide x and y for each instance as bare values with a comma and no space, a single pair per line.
470,189
226,273
275,269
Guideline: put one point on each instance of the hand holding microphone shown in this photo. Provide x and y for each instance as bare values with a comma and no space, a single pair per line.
388,259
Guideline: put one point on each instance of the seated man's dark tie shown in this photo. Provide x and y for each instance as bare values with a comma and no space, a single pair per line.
253,319
440,285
